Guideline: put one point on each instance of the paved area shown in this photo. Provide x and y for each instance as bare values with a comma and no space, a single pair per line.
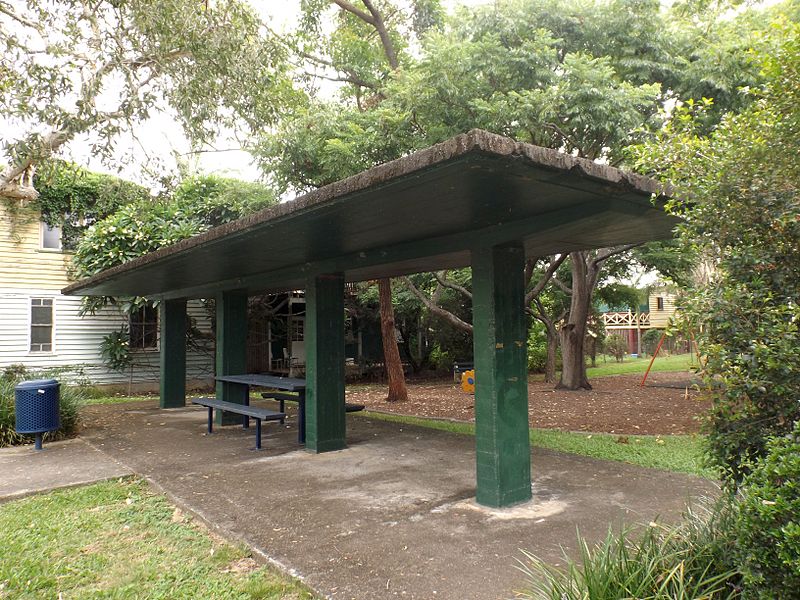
393,515
25,471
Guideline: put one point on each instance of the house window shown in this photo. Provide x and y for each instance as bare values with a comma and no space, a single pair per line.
298,330
144,328
41,324
51,237
659,303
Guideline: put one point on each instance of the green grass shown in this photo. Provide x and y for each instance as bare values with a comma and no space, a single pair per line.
119,540
680,453
118,399
663,364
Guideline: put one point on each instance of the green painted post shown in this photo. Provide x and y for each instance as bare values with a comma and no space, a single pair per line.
501,385
172,325
325,412
231,349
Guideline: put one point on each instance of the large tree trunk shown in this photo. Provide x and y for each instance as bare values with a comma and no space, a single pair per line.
391,354
573,332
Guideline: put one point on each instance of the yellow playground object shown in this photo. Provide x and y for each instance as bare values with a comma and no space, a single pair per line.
468,381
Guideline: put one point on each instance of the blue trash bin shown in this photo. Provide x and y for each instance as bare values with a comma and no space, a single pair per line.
37,409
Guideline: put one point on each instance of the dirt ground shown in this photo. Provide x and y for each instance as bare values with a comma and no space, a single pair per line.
668,405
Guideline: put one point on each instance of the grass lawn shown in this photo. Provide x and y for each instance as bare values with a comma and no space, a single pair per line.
117,399
681,453
120,540
663,364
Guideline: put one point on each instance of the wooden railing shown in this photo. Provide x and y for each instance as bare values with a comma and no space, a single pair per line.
626,320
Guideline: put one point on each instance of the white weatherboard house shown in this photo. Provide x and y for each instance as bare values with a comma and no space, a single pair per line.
41,329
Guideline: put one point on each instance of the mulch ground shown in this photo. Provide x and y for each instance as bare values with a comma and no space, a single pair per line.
668,405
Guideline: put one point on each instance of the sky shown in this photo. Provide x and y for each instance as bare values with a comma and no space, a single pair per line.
161,139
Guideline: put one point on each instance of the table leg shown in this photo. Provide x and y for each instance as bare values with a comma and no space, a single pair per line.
210,420
301,417
258,434
245,418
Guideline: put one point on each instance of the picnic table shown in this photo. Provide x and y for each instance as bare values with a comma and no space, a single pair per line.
274,382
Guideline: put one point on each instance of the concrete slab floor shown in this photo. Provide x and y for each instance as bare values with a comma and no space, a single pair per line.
393,515
69,463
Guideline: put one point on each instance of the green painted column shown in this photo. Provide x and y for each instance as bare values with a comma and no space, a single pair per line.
231,349
501,384
325,413
172,326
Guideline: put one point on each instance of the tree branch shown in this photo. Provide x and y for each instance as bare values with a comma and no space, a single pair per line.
444,282
437,310
12,14
353,9
605,254
562,286
548,275
386,40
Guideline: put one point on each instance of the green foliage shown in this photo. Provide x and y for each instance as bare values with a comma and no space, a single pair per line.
537,348
198,204
685,562
71,399
738,190
768,522
217,200
116,351
616,346
588,78
618,296
74,198
746,545
109,64
650,340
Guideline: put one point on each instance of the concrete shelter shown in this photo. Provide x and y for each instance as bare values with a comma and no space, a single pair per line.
477,199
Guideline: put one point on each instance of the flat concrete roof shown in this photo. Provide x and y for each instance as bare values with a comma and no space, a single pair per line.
422,212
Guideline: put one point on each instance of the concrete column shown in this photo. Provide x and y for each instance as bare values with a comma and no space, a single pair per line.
172,325
231,349
325,412
501,384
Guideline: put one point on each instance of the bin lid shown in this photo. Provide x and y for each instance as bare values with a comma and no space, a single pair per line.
35,384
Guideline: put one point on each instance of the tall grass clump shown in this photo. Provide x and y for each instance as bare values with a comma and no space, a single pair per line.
71,400
746,545
688,561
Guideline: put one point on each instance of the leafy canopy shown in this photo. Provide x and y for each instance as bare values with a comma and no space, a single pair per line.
73,67
196,205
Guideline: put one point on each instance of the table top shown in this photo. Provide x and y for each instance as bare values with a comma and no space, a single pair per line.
291,384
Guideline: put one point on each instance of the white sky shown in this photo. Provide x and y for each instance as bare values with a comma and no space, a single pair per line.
160,139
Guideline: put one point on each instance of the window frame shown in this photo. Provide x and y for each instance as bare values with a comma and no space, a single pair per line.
44,226
144,323
31,324
660,303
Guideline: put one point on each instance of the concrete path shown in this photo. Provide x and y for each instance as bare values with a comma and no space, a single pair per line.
25,471
393,515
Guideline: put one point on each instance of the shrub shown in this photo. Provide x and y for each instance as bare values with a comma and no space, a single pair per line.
650,340
617,346
768,522
537,349
70,403
684,562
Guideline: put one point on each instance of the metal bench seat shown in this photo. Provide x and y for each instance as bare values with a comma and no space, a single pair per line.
254,412
282,397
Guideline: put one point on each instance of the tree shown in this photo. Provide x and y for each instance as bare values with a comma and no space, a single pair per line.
585,78
363,52
71,68
197,204
738,191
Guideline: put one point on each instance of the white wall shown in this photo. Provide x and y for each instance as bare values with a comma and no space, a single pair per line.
77,339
